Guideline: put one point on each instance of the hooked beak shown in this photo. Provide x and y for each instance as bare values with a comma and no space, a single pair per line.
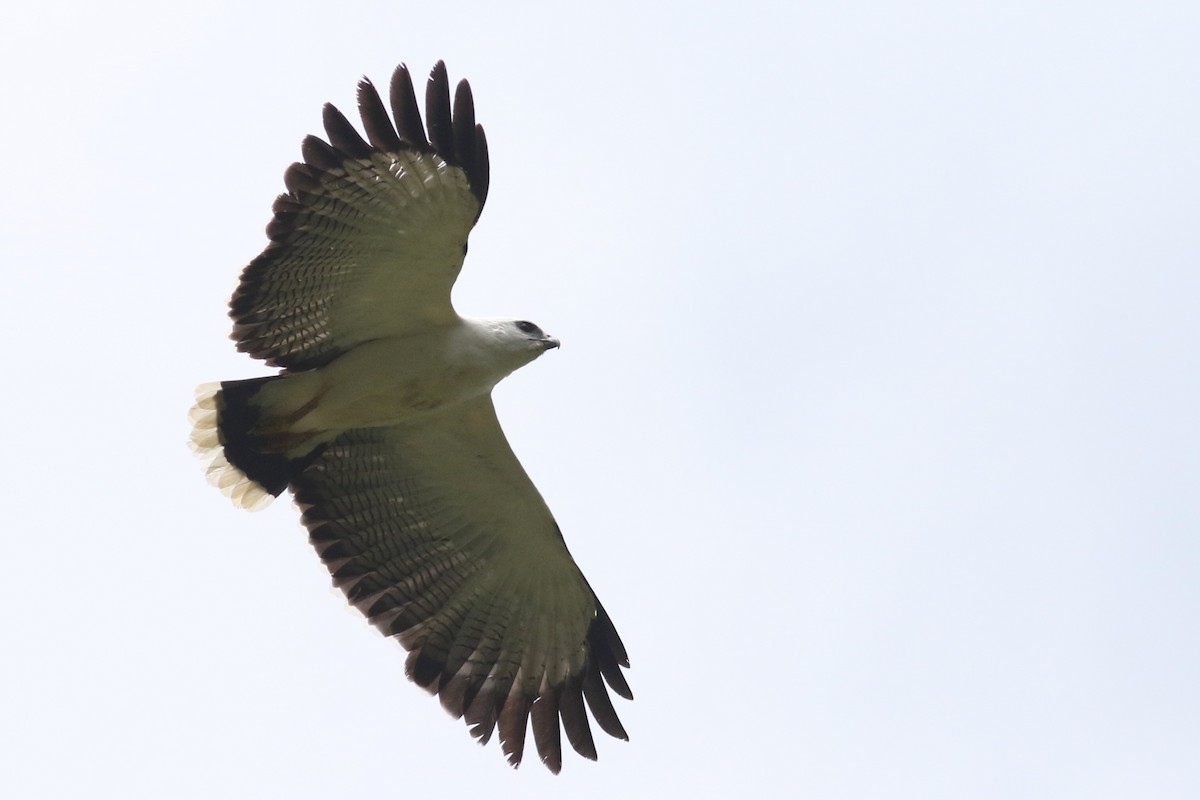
549,342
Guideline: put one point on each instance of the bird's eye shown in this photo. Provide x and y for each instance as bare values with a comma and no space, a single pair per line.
528,327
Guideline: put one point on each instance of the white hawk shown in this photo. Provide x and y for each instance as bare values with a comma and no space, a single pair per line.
382,425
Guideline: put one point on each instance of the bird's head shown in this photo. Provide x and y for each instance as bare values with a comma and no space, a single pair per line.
513,342
531,336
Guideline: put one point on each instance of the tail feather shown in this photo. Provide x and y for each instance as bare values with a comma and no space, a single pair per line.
223,421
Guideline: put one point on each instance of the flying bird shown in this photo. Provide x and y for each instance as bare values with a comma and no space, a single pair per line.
381,424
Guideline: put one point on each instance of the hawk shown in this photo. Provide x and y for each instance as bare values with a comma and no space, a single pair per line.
381,424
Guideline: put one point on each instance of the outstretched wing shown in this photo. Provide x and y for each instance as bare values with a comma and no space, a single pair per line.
370,236
434,531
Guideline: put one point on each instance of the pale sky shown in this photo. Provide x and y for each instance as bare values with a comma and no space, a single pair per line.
874,427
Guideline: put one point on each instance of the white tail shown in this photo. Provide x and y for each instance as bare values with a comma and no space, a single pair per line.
206,444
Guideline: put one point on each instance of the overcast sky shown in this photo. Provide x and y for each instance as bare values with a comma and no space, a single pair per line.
874,426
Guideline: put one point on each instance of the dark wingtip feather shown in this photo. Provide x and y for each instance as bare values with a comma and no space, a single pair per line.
278,230
405,109
473,685
514,717
463,121
298,179
379,128
575,720
601,706
452,695
437,113
422,670
546,734
481,178
480,716
286,204
342,134
317,153
609,652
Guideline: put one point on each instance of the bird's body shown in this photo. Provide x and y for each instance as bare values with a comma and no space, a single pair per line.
405,377
381,424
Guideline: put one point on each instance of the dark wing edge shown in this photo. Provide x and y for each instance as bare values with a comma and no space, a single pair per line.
428,594
456,138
